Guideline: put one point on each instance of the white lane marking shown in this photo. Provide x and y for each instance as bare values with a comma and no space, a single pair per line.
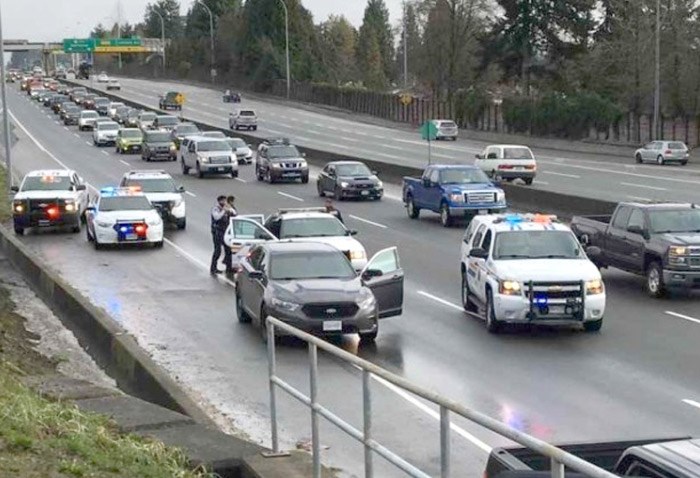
88,143
76,135
692,403
66,128
644,186
369,222
637,175
562,174
684,317
196,261
290,196
544,183
433,413
124,162
241,180
638,198
35,141
104,152
191,194
439,300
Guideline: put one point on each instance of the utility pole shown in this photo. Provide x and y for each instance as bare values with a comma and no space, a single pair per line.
657,72
286,36
162,34
119,28
5,111
211,36
405,48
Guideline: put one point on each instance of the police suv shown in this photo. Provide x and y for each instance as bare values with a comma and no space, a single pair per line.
160,188
529,269
49,198
123,216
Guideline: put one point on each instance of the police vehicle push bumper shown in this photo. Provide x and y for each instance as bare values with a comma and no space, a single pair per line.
43,213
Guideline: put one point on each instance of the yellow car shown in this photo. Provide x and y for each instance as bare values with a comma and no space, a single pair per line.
129,140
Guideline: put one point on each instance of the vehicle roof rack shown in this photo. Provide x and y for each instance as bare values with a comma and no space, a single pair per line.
277,140
288,210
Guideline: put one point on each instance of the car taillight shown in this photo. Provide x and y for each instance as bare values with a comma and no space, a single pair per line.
140,229
668,151
530,166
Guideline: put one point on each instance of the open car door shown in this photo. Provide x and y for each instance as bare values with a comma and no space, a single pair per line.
244,232
384,276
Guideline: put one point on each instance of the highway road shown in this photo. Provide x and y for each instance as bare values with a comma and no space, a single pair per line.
637,378
588,175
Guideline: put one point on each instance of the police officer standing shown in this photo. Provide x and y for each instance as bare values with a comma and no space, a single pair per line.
221,214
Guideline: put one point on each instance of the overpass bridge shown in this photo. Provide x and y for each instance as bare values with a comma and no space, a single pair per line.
148,45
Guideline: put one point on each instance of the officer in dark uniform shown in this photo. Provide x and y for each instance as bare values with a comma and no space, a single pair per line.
220,218
330,209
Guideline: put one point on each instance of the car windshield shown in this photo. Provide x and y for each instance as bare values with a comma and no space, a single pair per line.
246,113
72,109
206,146
187,129
448,124
675,220
154,185
124,203
536,245
275,152
353,170
517,153
134,113
158,137
236,143
89,114
107,126
167,120
310,265
677,145
463,176
131,133
46,183
116,105
148,117
312,227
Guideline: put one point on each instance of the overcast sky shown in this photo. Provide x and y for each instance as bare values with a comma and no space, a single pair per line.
52,20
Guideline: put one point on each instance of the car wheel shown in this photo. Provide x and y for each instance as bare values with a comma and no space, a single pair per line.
200,173
655,280
411,209
638,158
493,325
319,189
304,180
76,229
234,174
466,303
181,223
158,244
19,230
683,163
593,325
528,181
370,336
263,323
445,218
268,177
258,174
185,169
660,160
98,246
243,316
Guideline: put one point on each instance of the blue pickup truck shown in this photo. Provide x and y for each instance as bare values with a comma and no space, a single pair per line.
452,191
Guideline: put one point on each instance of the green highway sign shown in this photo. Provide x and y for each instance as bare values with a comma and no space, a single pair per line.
119,42
428,131
79,45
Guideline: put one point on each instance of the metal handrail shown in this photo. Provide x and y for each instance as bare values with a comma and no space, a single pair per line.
559,458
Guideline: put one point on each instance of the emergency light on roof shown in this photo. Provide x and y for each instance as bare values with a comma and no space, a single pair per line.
112,191
522,218
301,209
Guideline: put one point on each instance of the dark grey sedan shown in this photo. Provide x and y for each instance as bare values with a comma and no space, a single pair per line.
349,179
313,286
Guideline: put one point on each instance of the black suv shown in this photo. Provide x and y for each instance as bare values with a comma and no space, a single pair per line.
277,160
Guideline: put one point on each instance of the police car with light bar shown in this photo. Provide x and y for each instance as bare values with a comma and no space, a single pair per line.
123,216
529,269
49,198
159,187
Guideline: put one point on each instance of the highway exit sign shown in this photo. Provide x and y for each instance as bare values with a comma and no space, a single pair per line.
79,45
106,45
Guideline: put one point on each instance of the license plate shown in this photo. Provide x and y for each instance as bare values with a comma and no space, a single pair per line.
556,309
221,169
44,222
365,193
518,168
332,325
130,237
290,175
483,211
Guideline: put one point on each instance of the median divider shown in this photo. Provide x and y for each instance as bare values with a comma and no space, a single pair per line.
184,424
519,197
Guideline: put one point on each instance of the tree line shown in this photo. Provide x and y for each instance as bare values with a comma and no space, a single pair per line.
559,67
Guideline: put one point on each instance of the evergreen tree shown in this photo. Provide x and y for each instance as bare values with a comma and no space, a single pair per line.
170,11
376,28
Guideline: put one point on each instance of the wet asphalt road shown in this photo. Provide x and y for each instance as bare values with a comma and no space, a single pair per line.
629,381
595,175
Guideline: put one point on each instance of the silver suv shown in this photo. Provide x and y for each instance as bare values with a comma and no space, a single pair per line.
663,152
246,119
208,156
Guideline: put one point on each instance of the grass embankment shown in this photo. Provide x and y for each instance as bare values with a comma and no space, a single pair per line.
40,438
4,200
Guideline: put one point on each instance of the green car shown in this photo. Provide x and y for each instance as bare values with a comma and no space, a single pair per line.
129,140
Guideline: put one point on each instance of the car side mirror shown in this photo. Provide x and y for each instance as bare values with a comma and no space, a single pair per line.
368,274
256,275
303,155
250,146
90,209
181,189
478,253
636,230
594,252
80,187
479,156
375,173
14,189
352,232
427,182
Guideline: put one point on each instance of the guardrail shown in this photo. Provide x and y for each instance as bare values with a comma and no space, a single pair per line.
558,457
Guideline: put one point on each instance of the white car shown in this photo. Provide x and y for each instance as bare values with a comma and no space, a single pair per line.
662,152
87,120
160,188
508,162
244,152
123,216
103,78
446,129
529,269
113,85
146,120
208,156
105,133
112,110
49,198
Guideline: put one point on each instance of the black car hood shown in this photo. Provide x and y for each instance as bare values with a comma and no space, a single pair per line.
359,179
317,290
683,238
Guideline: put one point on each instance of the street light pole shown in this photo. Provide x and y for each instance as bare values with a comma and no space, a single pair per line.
162,35
211,34
657,72
5,111
286,35
405,48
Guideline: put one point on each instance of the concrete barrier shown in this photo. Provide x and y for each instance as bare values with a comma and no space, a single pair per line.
519,197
